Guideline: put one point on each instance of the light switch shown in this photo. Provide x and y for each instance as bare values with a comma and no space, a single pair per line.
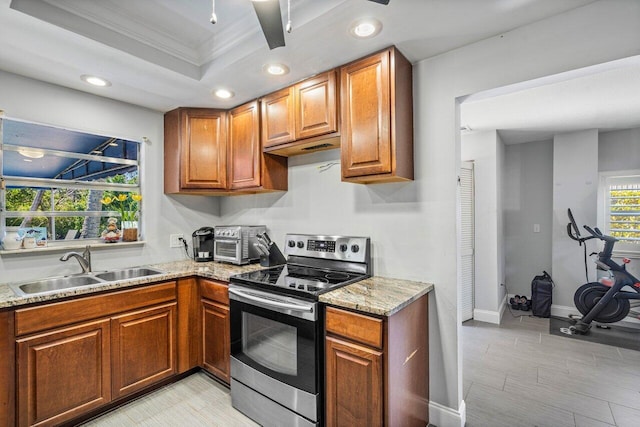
536,228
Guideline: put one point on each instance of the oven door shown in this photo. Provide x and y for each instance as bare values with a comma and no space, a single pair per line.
277,336
227,250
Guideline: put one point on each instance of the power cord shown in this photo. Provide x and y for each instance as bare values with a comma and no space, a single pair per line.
186,247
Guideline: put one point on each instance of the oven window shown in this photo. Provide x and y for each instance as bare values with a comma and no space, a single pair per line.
226,248
272,344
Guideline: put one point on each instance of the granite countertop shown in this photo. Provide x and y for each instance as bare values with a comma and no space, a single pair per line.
376,295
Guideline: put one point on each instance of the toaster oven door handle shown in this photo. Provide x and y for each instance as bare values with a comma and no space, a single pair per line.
272,303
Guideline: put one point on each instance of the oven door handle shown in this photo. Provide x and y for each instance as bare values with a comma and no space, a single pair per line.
272,303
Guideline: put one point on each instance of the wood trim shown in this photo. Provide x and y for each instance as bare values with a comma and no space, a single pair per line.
7,369
188,324
407,366
172,152
401,75
52,315
364,329
275,173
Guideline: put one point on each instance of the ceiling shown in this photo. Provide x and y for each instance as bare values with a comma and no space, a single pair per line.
162,54
603,96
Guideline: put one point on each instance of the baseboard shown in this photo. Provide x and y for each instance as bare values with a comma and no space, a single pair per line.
565,311
443,416
488,315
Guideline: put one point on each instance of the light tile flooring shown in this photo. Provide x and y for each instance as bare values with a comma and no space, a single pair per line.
517,374
194,401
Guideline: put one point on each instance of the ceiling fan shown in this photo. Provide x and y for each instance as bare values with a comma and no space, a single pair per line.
269,15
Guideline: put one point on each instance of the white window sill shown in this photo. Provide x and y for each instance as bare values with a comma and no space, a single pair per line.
63,246
626,254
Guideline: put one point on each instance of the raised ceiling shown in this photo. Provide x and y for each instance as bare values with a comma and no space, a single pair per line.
162,54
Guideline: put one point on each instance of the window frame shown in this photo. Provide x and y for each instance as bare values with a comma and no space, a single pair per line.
52,183
621,248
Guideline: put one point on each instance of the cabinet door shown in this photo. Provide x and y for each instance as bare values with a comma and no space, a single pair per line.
63,373
216,339
278,118
144,348
203,149
244,146
316,106
354,384
366,117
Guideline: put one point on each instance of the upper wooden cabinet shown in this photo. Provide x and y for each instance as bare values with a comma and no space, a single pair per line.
244,146
216,152
301,118
377,118
195,150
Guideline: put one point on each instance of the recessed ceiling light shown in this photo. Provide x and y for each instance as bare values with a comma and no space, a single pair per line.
31,153
95,80
275,69
365,28
223,93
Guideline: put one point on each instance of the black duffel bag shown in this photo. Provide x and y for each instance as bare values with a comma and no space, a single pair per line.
541,295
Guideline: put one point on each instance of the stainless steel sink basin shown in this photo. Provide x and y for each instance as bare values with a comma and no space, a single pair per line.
56,284
129,273
80,280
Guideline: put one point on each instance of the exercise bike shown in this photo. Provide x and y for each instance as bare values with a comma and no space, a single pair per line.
608,300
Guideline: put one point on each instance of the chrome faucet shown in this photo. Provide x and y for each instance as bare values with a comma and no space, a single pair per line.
84,259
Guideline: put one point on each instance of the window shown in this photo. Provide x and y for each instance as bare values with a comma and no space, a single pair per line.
621,210
59,184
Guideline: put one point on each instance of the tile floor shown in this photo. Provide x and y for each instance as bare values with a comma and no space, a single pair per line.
517,374
194,401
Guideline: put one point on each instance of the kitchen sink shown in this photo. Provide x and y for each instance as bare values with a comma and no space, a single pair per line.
55,284
128,273
79,280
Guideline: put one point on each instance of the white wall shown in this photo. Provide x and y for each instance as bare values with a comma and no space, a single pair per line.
486,149
413,225
528,200
575,187
31,100
619,150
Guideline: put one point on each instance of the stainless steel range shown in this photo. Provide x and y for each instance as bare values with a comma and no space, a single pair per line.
277,362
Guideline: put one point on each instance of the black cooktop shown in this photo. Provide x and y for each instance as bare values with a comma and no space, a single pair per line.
303,281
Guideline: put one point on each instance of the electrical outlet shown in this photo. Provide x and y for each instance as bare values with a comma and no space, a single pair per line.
536,228
174,240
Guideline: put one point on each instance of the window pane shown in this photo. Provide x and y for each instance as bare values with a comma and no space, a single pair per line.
624,210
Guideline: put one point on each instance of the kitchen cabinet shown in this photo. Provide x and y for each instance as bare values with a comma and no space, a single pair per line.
216,329
377,369
75,356
302,118
218,153
63,373
143,344
376,107
195,150
7,369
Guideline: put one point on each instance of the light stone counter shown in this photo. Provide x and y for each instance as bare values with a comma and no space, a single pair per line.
377,295
174,270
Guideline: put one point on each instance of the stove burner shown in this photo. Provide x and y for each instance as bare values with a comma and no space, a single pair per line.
335,276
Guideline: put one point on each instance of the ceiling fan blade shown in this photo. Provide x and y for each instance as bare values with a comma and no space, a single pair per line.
270,18
381,1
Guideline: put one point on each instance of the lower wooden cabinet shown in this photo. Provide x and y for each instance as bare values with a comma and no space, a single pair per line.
143,348
216,340
63,373
354,384
377,370
216,329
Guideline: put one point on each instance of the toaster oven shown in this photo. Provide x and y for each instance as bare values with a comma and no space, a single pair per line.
234,243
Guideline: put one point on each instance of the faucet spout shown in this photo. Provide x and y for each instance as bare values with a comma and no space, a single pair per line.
84,259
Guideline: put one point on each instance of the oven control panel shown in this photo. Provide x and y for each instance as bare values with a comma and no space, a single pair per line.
341,248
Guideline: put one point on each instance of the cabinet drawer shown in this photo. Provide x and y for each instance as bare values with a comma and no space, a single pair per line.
215,291
357,327
49,316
